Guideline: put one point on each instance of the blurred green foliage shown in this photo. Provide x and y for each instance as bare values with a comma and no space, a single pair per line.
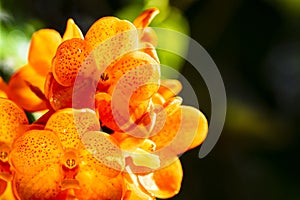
15,36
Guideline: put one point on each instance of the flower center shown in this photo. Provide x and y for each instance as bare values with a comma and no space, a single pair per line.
3,156
70,159
104,77
4,152
70,163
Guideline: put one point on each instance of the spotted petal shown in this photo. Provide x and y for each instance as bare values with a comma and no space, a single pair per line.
70,124
11,118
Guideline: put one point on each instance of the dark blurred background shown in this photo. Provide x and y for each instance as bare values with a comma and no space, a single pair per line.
256,46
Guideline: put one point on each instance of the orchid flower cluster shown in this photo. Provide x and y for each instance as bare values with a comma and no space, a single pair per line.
110,127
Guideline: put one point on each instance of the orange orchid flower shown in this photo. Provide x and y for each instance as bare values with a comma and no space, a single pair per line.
12,119
89,145
55,164
177,129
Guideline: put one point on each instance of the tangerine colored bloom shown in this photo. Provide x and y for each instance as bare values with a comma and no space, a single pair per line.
54,164
12,120
184,128
114,129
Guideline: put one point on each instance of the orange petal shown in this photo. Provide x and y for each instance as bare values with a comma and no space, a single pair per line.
42,49
21,86
111,38
42,185
138,150
104,111
163,183
130,143
149,49
184,128
145,18
126,141
72,31
3,185
163,113
202,130
34,151
59,96
70,124
135,75
11,117
70,59
105,28
104,148
3,88
8,192
133,189
158,99
90,164
84,91
96,186
35,159
141,161
125,119
148,35
169,88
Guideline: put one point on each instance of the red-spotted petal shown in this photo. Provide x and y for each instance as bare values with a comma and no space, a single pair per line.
35,150
70,124
11,118
72,58
136,75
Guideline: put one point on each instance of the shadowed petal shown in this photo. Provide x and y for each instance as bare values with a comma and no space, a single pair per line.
59,96
25,86
3,88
